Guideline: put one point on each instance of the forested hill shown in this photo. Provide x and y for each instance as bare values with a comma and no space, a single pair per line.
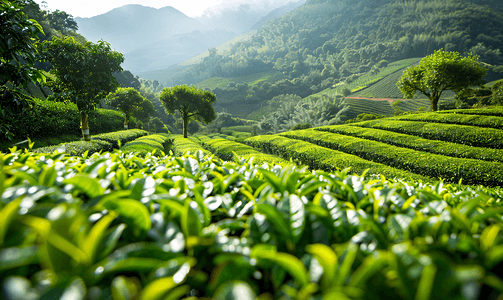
324,42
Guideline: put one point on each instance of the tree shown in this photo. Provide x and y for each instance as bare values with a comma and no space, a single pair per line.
17,51
127,100
440,71
84,72
144,110
191,102
62,21
17,59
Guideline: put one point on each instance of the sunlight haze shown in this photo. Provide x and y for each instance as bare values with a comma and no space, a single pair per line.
192,8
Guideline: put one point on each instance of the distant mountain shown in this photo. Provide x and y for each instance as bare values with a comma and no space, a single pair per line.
239,18
130,26
328,42
154,39
174,50
278,12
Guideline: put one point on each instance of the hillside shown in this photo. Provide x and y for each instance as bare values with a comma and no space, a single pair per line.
323,43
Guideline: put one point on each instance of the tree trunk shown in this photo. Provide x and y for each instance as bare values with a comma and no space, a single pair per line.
434,103
126,123
84,125
185,122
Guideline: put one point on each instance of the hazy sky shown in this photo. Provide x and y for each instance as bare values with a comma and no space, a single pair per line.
191,8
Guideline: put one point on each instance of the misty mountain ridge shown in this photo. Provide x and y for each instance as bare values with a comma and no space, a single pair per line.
153,39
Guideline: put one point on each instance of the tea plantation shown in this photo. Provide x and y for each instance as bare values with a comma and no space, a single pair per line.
337,212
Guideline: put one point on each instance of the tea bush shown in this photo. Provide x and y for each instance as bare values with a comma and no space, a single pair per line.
460,134
321,158
452,169
156,144
119,226
49,118
417,143
227,150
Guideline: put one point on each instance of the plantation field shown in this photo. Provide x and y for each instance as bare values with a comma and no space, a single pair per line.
330,212
119,225
253,79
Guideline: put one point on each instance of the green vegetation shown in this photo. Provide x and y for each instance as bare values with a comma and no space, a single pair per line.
321,158
230,150
329,46
48,119
441,71
84,73
462,134
417,143
99,143
452,169
130,102
156,144
244,230
192,103
183,145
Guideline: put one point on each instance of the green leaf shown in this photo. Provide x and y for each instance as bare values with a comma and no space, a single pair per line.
273,180
425,287
76,290
293,207
124,288
327,259
48,177
238,290
17,257
275,218
158,288
95,236
133,212
290,263
190,223
86,185
8,213
345,269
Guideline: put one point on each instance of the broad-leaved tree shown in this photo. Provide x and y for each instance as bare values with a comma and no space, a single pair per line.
441,71
84,72
128,100
191,102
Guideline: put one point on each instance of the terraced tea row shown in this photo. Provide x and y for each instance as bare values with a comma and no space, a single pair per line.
453,169
460,119
460,134
317,157
417,143
227,150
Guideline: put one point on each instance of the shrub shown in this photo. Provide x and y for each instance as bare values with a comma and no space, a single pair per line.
321,158
363,117
417,143
183,145
452,169
226,150
148,144
301,126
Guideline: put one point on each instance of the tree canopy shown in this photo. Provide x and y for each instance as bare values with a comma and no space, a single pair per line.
84,73
441,71
129,100
191,102
17,60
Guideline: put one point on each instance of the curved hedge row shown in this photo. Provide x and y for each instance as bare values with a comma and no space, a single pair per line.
225,149
101,142
182,145
321,158
416,143
452,169
49,118
454,118
459,134
154,144
488,111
